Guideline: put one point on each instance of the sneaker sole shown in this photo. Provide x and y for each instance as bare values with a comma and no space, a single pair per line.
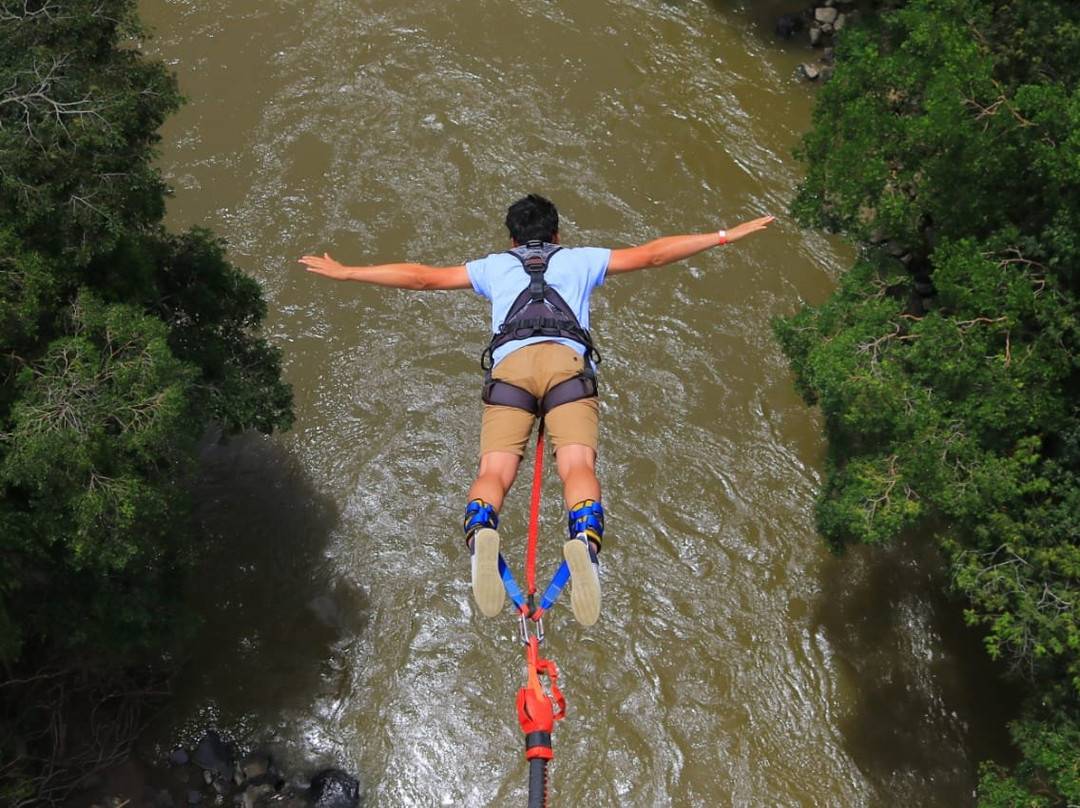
486,582
584,586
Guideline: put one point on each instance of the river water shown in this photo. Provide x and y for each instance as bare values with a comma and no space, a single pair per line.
736,662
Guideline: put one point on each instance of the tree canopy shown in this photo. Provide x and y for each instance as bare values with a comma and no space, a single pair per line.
122,344
945,146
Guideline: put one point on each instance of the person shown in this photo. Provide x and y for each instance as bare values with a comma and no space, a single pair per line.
541,362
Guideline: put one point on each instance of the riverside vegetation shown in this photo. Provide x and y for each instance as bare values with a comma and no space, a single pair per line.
121,345
945,147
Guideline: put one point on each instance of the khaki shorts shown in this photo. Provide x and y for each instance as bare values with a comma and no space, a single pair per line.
537,368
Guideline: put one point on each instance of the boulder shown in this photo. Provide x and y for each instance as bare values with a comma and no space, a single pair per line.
214,755
332,788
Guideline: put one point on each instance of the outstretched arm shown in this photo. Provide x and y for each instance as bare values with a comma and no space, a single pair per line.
399,276
669,249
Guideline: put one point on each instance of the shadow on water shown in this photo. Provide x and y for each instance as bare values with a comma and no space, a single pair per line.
276,619
930,705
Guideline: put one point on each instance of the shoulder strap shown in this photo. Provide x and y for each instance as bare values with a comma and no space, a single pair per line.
539,309
534,257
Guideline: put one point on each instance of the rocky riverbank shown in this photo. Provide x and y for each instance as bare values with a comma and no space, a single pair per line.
818,24
214,774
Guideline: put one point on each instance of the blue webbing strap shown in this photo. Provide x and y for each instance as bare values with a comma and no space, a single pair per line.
510,585
551,593
555,588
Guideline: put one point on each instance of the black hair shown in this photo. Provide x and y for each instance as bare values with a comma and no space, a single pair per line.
532,218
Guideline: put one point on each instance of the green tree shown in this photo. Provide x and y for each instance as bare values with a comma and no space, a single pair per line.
945,146
80,109
122,344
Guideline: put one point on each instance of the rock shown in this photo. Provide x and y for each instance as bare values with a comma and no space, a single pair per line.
789,24
332,788
821,20
252,766
825,15
214,755
179,756
161,799
290,797
215,775
256,793
809,72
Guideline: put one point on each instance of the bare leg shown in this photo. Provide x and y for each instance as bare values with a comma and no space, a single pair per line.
577,469
497,473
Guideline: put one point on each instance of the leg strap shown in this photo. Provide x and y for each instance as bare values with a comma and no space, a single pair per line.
573,389
479,514
496,391
587,517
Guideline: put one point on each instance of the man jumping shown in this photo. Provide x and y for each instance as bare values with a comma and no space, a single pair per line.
541,363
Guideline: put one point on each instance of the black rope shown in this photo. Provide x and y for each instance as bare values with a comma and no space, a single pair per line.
538,783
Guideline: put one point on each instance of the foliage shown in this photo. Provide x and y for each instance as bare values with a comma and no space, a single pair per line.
946,363
79,114
100,438
1047,776
121,344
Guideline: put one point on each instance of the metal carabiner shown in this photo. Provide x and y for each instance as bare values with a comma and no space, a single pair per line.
524,619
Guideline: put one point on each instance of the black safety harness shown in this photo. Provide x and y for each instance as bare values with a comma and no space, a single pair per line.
539,311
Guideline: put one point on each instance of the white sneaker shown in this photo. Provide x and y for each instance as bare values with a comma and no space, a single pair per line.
584,579
487,584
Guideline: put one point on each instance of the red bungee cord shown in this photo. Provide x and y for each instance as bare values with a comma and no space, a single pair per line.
537,711
534,516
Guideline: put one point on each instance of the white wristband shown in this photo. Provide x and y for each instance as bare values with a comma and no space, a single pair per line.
722,235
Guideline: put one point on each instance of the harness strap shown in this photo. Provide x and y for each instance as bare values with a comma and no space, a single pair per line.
504,394
538,310
587,517
573,389
479,514
497,391
535,264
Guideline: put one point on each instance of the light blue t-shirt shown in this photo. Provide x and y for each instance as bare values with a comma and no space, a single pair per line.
573,272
